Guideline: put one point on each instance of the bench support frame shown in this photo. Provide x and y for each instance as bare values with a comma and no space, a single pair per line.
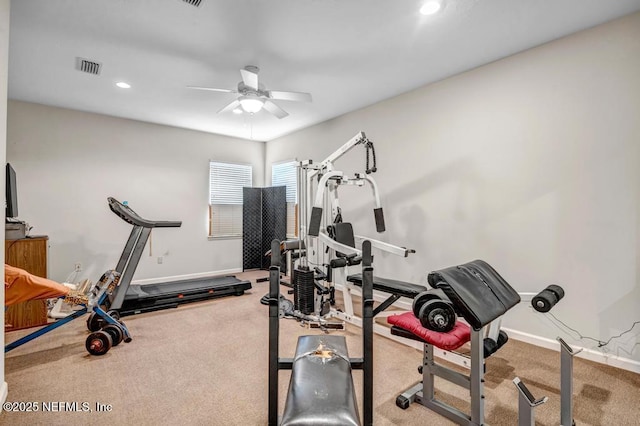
365,363
423,392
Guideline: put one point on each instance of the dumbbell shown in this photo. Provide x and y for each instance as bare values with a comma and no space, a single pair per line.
433,312
547,298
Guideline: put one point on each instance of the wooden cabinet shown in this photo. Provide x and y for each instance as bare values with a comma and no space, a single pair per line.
29,254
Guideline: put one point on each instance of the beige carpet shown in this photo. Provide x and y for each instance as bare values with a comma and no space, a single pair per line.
206,364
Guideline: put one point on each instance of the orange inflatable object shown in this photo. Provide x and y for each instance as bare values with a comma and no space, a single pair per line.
21,286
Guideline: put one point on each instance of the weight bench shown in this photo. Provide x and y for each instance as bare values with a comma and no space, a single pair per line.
480,295
396,288
321,390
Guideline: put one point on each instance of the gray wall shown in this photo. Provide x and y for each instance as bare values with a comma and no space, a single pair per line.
68,162
530,163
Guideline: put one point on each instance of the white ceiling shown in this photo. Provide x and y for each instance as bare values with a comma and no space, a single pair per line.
347,53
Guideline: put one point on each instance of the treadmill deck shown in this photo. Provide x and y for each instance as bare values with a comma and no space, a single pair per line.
153,297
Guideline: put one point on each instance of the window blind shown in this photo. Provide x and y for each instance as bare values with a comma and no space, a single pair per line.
285,174
226,181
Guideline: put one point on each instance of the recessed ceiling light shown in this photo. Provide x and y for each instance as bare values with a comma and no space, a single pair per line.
123,85
431,7
237,111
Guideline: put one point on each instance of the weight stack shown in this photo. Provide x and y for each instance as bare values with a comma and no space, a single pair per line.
303,291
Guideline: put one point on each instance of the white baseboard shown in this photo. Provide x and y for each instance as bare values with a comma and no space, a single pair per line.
590,354
4,391
186,277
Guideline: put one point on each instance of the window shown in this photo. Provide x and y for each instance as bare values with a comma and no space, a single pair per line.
285,174
225,198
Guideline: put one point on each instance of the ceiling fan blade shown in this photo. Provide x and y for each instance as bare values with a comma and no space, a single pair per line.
212,89
249,78
290,96
233,105
275,109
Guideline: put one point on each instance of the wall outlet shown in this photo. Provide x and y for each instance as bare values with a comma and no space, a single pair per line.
77,267
160,259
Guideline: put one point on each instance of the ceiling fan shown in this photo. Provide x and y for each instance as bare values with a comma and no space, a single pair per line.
254,97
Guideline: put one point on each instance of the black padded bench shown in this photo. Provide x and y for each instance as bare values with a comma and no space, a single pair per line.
321,390
402,288
396,288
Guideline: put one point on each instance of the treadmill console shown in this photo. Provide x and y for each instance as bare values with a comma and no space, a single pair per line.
127,214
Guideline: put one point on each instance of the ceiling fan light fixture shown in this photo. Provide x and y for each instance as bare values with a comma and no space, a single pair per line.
431,7
237,111
251,104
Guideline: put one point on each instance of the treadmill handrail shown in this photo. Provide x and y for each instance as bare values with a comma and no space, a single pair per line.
127,214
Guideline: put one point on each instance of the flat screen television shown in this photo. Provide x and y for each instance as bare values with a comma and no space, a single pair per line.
11,199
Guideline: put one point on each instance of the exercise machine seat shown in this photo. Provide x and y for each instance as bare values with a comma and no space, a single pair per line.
401,288
321,390
407,325
344,234
478,293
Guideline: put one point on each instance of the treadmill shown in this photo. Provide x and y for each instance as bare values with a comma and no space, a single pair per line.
129,299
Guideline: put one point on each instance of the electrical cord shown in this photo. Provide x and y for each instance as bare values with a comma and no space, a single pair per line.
599,342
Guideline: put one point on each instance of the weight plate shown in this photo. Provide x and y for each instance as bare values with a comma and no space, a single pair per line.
421,299
437,315
115,332
98,343
94,322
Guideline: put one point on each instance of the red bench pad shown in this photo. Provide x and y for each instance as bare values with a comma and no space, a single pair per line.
455,338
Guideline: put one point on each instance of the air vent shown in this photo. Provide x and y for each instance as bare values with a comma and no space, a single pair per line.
195,3
91,67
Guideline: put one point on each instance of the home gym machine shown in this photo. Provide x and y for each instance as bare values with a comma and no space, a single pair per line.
331,243
321,389
107,330
130,299
477,293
